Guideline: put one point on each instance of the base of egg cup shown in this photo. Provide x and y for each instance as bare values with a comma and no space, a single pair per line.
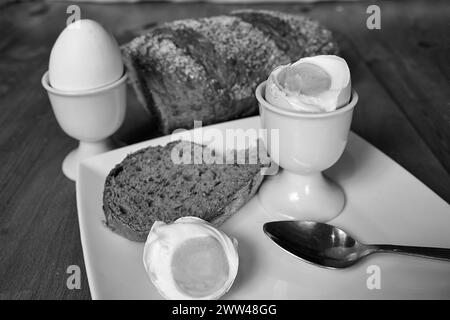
90,116
288,195
307,145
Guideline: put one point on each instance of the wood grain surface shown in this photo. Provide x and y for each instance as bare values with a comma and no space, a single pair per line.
401,72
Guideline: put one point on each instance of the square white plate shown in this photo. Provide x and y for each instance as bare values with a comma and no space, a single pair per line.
385,204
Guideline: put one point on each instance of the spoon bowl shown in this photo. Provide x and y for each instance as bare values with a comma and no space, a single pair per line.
328,246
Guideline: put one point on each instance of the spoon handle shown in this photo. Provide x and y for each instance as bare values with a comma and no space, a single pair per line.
426,252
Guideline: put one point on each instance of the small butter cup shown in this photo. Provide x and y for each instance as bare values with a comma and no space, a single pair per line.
308,144
90,116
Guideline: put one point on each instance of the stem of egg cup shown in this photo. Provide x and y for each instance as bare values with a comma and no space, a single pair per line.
84,151
308,144
90,116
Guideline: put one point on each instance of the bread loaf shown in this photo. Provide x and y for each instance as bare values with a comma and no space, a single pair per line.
148,186
207,69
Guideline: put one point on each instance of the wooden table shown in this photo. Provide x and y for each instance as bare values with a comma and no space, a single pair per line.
402,74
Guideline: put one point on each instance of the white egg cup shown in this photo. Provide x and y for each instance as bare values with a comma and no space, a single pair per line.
308,144
90,116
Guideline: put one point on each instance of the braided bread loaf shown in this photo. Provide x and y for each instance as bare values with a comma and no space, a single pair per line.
207,69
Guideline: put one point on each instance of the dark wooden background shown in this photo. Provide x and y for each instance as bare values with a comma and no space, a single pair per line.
402,74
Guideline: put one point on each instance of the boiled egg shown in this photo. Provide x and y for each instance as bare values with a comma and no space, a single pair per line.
190,259
85,56
313,84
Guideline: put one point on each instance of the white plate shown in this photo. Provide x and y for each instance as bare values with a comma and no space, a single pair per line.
385,204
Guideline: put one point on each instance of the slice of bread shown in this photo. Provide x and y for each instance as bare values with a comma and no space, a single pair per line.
148,186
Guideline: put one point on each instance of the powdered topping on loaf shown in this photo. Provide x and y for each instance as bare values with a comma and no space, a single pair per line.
233,37
296,34
170,57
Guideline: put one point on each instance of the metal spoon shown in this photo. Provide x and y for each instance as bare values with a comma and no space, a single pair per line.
331,247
